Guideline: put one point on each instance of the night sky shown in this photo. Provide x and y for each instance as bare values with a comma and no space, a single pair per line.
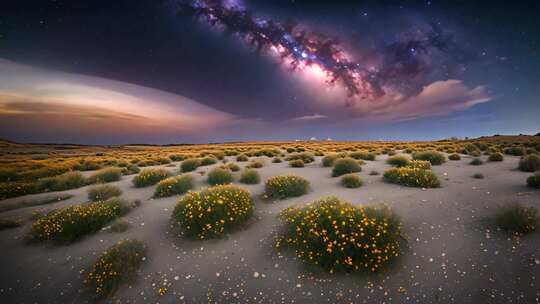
155,71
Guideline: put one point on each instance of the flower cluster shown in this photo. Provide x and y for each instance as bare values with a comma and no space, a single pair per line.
213,211
412,177
174,185
341,237
70,223
283,186
116,265
150,177
419,164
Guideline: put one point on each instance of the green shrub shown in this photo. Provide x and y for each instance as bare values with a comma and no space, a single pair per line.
177,157
258,163
434,157
14,189
454,156
103,192
304,157
210,160
517,219
476,162
475,153
296,163
533,181
174,186
250,177
70,223
351,180
363,155
516,151
214,211
190,165
66,181
276,160
419,164
219,176
149,177
412,177
116,266
338,236
398,161
283,186
242,158
233,167
495,157
344,166
529,163
105,175
328,160
131,169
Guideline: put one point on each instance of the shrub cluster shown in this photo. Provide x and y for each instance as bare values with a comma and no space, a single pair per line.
283,186
214,211
232,166
250,177
103,192
219,176
454,156
328,160
516,151
258,163
296,163
529,163
341,237
434,157
476,162
412,177
117,265
276,160
242,158
105,175
419,164
304,157
363,155
516,218
344,166
70,223
66,181
494,157
190,165
149,177
351,180
398,161
174,185
210,160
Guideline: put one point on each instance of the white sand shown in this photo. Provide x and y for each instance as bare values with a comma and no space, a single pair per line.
452,257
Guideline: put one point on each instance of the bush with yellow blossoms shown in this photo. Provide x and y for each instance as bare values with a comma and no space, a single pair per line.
118,265
174,186
283,186
68,224
412,177
339,236
213,212
150,177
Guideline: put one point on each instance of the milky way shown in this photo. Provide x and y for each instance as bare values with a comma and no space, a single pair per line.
402,66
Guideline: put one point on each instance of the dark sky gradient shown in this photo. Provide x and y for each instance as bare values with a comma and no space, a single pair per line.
146,43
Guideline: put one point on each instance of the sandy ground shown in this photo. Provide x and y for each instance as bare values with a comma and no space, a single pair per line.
452,256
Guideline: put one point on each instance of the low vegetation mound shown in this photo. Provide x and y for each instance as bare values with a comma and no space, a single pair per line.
242,158
105,175
533,181
66,181
338,236
304,157
209,160
476,162
190,165
454,156
296,163
363,155
68,224
419,164
398,161
496,157
103,192
174,185
328,160
517,218
258,163
219,176
117,265
351,180
434,157
250,177
345,165
149,177
283,186
529,163
213,212
412,177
